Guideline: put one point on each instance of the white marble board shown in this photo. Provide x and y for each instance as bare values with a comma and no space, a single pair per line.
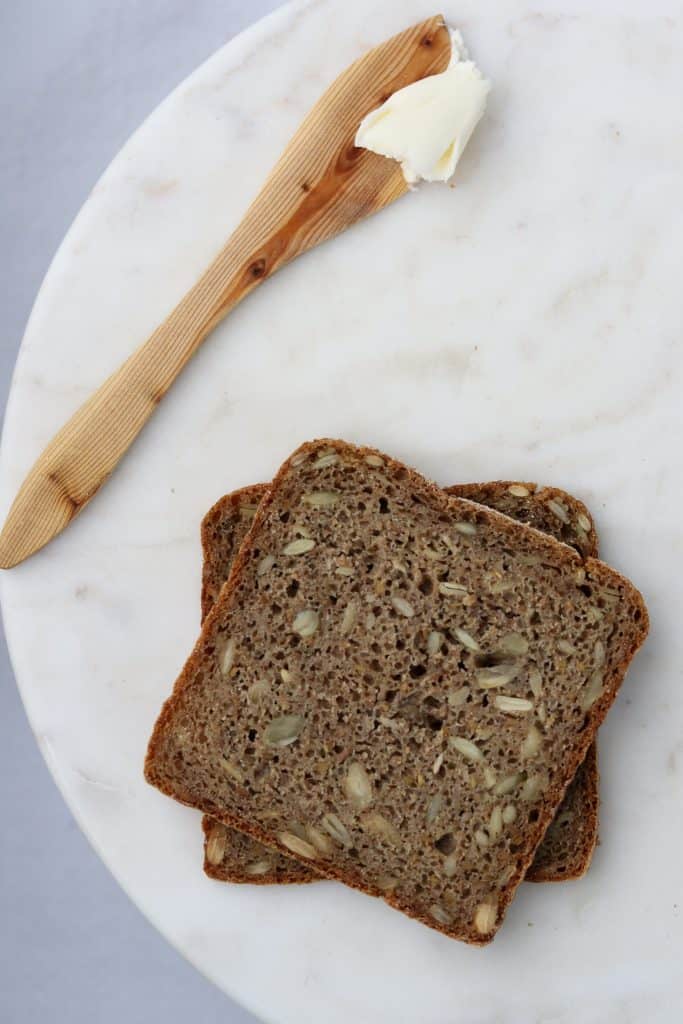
525,324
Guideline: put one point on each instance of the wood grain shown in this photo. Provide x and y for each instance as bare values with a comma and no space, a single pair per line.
320,186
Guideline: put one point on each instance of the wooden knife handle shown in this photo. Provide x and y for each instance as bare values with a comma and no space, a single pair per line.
321,185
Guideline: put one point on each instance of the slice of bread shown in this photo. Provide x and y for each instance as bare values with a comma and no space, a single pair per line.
397,686
568,845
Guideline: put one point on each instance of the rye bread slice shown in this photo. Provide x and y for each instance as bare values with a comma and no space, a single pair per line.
567,847
396,685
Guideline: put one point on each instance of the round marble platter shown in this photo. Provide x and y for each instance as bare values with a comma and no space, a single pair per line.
524,324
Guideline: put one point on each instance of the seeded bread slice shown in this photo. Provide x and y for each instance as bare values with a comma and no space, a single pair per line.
568,845
405,683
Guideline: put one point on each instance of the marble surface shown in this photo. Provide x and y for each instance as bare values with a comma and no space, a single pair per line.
523,324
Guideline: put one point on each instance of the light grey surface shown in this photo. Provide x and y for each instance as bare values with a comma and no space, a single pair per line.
76,78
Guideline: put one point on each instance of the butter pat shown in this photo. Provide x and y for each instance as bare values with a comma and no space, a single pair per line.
427,125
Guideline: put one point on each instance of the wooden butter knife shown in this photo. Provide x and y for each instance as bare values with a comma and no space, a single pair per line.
321,185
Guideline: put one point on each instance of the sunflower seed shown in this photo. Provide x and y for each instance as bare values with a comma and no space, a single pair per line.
465,529
495,825
232,770
532,743
350,617
584,522
321,499
257,691
489,777
265,565
228,657
215,845
387,883
258,867
564,647
469,750
507,784
378,825
509,814
485,918
357,786
514,644
434,808
532,788
559,510
374,460
402,606
286,676
535,682
496,675
283,730
481,839
326,459
300,847
505,876
450,865
300,546
343,570
466,640
512,705
452,589
519,490
306,623
434,642
439,914
333,824
321,842
599,654
458,697
438,761
593,691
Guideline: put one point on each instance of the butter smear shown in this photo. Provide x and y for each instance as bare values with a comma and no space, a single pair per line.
427,125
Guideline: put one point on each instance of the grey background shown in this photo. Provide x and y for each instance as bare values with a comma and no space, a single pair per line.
76,78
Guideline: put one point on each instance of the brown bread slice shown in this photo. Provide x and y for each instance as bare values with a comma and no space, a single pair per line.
396,685
568,845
